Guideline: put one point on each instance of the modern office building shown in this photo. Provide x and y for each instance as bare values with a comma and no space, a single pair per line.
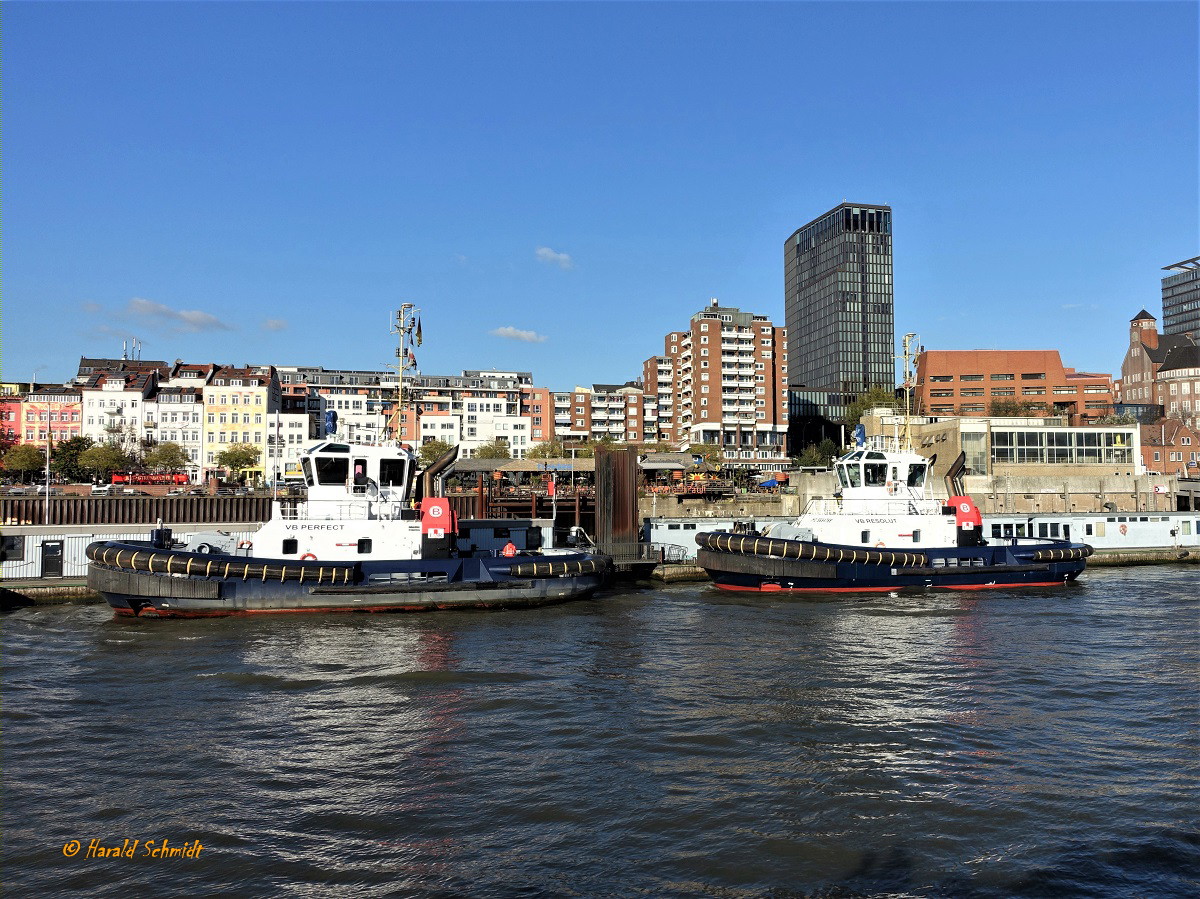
1181,298
838,306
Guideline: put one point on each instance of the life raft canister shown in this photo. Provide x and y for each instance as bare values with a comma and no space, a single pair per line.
967,516
437,518
968,520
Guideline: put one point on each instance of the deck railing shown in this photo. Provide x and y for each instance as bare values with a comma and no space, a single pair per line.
87,510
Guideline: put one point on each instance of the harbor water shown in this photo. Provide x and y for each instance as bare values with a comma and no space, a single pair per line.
673,742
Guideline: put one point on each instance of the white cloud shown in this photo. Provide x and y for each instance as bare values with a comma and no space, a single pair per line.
275,324
549,256
511,333
178,321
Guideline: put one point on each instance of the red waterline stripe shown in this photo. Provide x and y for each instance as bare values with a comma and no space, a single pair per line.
324,610
775,588
998,586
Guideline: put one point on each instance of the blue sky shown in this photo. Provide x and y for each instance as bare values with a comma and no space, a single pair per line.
557,186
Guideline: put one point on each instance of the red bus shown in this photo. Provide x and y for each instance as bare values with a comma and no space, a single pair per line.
176,479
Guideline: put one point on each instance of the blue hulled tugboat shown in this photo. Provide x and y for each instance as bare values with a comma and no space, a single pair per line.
356,544
884,532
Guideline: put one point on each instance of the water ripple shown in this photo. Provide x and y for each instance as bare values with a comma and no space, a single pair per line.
671,742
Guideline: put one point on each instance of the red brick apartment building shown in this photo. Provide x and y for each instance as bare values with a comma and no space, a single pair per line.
723,381
1161,370
1006,382
1170,447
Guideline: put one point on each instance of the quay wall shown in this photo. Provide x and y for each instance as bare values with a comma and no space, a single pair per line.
998,495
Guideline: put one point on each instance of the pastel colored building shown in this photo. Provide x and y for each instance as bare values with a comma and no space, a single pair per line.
240,405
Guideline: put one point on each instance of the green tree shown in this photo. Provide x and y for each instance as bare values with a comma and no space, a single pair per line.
877,396
711,452
817,455
588,450
549,449
497,449
239,457
65,458
166,457
1008,408
432,451
103,459
25,458
660,446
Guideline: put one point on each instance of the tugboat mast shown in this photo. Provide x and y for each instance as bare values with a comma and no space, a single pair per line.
407,326
910,340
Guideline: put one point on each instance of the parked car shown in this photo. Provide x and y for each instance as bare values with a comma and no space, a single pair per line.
102,489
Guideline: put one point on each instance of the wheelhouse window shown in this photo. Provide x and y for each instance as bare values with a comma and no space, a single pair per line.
332,471
393,472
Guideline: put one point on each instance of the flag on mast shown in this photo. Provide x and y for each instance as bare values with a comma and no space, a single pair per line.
412,360
418,330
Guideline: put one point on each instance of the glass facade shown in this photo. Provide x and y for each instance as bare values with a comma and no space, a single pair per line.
1046,446
838,303
1181,298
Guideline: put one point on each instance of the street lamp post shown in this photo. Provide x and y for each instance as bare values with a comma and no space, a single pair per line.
49,439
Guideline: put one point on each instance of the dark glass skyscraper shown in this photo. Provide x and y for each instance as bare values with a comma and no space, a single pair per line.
838,305
1181,298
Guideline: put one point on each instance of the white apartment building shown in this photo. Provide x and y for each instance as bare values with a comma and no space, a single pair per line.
114,407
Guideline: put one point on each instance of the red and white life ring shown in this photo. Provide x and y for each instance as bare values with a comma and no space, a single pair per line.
308,557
